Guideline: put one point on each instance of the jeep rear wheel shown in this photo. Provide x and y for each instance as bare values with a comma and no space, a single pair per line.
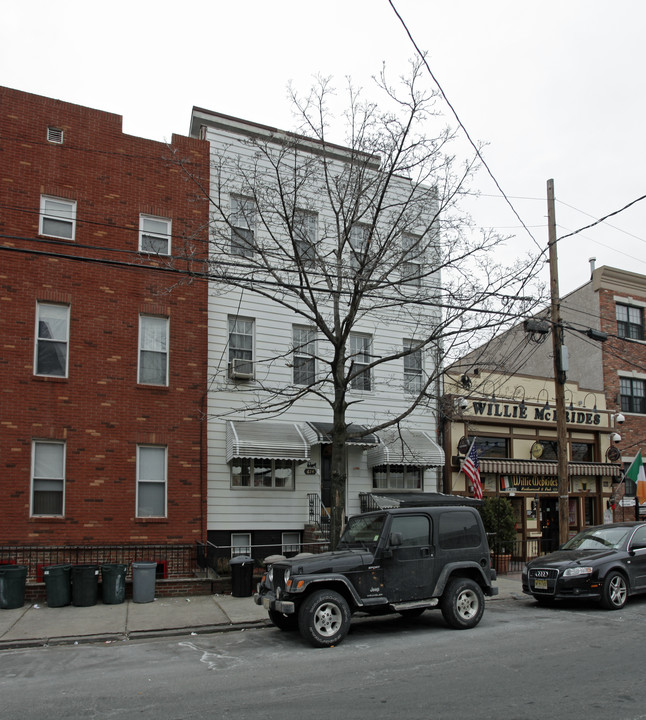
282,621
462,603
324,618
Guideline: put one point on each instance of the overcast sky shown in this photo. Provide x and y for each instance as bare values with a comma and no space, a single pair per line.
555,88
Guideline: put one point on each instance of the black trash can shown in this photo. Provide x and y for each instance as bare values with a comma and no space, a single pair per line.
143,581
113,583
241,575
57,585
85,585
12,586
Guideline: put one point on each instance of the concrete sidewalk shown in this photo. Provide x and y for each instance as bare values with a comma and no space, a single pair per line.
38,624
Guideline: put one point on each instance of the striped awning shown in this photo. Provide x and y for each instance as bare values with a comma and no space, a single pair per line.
324,434
406,447
546,467
268,439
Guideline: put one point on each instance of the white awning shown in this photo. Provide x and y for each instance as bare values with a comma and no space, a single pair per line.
268,439
406,447
361,436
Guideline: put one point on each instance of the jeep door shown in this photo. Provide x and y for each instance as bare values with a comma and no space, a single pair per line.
408,565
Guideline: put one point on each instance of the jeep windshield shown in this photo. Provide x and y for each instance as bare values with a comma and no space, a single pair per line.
362,532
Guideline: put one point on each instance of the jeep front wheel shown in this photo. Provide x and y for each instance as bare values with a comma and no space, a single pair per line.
462,603
324,618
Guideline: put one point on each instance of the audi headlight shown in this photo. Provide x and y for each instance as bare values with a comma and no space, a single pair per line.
576,571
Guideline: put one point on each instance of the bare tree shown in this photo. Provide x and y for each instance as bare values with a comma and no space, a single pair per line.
366,230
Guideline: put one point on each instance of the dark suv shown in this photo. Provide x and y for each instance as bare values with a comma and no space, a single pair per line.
402,560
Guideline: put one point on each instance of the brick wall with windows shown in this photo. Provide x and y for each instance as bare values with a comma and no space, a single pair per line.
624,358
102,438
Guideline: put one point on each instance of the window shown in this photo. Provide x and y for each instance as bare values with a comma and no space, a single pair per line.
360,359
240,544
47,478
412,368
153,350
52,339
55,135
490,447
631,393
305,237
291,542
57,217
458,530
414,529
304,355
582,452
243,221
262,473
397,477
241,344
411,267
151,481
359,235
630,322
154,235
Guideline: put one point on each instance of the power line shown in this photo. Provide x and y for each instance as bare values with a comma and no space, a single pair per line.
600,220
468,136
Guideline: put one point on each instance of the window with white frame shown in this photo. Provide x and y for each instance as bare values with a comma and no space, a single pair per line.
153,350
305,224
360,352
291,542
52,339
259,473
411,267
243,223
632,395
154,234
397,477
151,480
630,322
304,360
241,331
57,217
240,544
359,235
47,477
412,368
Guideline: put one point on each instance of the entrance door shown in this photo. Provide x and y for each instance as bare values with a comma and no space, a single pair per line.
549,523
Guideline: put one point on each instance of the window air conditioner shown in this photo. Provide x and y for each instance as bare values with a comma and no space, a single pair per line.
240,369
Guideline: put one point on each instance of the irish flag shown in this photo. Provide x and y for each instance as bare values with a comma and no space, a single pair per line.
636,473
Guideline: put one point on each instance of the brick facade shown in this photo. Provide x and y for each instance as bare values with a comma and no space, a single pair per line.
99,409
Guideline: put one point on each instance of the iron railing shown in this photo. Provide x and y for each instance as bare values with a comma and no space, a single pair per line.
521,552
318,514
172,560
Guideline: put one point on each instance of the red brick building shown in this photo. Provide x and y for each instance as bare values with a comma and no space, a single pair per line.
103,330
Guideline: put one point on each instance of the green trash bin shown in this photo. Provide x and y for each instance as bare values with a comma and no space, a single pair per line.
143,581
113,583
57,585
85,585
12,586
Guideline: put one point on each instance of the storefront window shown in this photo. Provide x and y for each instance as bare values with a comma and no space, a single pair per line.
491,447
550,450
582,452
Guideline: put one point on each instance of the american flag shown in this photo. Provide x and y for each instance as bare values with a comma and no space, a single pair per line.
471,469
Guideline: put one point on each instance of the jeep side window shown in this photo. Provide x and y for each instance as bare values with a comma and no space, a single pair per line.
458,530
415,530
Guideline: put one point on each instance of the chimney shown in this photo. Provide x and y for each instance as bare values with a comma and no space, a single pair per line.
592,262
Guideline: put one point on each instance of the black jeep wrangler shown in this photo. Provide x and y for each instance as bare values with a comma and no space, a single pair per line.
403,560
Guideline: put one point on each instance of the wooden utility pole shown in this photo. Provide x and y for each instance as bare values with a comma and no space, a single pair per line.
559,372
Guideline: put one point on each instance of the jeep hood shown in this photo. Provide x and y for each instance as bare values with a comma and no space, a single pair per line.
336,561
